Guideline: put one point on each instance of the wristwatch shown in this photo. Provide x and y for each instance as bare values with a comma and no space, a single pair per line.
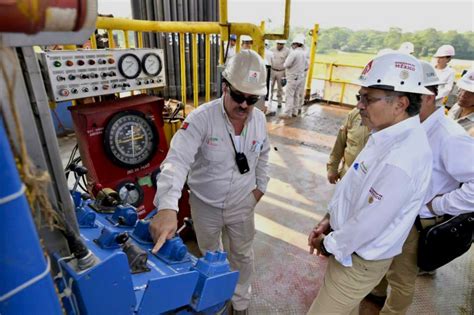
324,251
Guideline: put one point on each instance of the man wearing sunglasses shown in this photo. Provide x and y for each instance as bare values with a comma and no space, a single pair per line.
222,150
375,204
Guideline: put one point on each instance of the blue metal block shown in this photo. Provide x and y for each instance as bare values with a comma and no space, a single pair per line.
141,234
106,288
107,238
216,281
168,293
85,217
173,251
124,215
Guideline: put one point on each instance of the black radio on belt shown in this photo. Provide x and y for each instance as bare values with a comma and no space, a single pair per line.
240,159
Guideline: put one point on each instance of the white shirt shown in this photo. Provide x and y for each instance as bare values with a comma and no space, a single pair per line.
446,77
202,151
375,204
453,165
295,64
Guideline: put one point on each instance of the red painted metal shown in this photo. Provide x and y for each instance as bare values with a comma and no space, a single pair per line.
31,16
90,122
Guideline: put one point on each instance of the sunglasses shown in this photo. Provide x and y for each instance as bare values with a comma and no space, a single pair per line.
239,98
369,100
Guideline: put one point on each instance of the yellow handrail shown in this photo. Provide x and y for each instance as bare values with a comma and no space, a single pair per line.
314,45
195,71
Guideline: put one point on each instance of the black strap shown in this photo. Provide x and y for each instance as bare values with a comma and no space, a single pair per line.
233,145
418,225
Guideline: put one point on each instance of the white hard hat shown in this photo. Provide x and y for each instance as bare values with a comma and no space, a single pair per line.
407,48
397,71
299,38
430,77
384,51
445,51
246,72
245,38
467,81
281,41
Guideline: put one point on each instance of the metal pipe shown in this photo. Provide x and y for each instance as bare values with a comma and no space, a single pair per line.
195,71
223,19
343,90
93,41
127,43
314,46
110,35
208,68
182,57
286,25
158,26
140,39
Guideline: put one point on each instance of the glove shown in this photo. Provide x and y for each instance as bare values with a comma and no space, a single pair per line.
283,81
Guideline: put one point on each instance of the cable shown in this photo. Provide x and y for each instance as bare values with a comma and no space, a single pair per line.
28,283
13,196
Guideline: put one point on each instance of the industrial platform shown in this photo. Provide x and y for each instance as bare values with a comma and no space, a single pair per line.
287,278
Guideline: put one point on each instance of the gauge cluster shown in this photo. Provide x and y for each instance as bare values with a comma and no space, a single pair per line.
84,73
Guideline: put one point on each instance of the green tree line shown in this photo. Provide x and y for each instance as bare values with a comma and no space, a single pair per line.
426,42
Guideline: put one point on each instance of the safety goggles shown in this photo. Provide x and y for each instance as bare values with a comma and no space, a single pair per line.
369,100
239,98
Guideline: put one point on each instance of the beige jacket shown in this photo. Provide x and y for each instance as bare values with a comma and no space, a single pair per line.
279,57
350,140
202,152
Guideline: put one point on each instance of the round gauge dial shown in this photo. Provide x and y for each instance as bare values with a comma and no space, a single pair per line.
129,66
135,196
151,64
130,139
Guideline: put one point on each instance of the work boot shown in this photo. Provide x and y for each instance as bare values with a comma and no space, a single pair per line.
232,311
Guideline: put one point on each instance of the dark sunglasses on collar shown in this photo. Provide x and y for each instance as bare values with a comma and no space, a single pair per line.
239,98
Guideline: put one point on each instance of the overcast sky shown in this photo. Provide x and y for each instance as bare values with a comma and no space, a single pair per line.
354,14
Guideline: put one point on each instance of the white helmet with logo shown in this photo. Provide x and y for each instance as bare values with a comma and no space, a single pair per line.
407,48
245,38
394,71
430,77
246,72
281,41
299,39
467,81
445,51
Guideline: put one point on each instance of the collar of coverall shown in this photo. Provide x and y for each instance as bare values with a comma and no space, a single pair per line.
395,130
226,117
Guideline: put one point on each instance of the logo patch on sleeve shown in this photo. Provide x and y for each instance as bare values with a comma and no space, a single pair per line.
375,194
184,126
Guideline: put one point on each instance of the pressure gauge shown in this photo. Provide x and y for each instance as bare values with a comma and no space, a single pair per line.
135,196
151,64
130,139
129,66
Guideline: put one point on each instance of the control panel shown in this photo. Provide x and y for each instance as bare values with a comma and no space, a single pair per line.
84,73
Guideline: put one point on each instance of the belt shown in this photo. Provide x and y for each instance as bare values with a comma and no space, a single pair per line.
278,69
439,217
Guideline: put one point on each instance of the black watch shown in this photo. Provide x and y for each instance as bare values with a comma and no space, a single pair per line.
324,251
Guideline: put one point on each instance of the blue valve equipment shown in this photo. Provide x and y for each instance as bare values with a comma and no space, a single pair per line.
26,286
128,279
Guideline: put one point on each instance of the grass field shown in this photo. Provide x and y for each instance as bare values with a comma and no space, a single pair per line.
360,59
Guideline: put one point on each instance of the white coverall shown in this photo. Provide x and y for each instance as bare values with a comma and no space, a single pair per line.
221,197
278,71
446,76
295,66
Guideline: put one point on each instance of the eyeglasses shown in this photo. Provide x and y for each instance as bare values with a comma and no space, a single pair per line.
239,98
369,100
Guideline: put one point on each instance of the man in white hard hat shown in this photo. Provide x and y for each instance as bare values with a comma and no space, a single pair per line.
375,204
246,42
407,48
463,110
280,53
445,73
451,191
222,150
268,65
295,65
230,48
